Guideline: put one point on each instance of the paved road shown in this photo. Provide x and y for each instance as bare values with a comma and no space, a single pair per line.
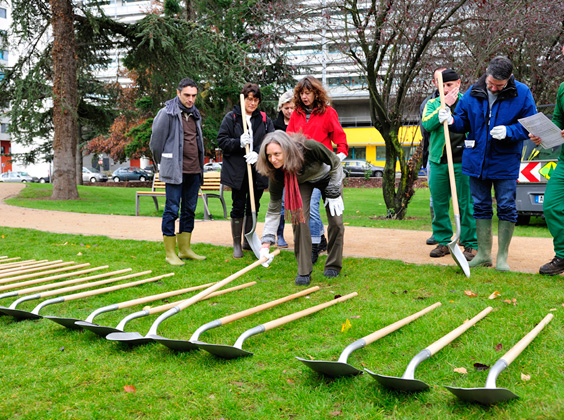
525,254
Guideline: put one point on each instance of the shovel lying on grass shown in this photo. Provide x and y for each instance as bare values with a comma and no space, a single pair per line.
136,338
341,367
54,285
103,331
7,275
183,345
18,313
407,382
231,352
490,394
34,314
455,251
251,236
25,265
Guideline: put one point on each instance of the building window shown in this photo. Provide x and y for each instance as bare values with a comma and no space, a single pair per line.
380,152
2,13
4,128
4,55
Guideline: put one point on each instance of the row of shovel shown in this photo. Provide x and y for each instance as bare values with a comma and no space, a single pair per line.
487,395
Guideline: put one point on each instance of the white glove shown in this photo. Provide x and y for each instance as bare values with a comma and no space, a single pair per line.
336,206
265,253
499,132
251,158
245,139
341,156
445,115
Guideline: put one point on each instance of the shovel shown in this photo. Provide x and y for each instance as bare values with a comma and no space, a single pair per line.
95,292
341,367
407,382
5,264
44,273
103,331
18,313
136,338
183,345
71,322
54,285
251,236
6,275
22,265
455,250
231,352
490,394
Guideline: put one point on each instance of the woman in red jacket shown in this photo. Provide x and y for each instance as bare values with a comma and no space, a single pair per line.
316,119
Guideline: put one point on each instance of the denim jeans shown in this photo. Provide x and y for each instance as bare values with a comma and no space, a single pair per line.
505,192
315,224
183,197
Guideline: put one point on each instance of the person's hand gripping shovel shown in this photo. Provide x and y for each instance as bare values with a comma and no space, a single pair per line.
455,251
252,237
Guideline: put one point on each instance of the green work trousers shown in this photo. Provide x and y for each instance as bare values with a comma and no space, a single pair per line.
554,208
439,183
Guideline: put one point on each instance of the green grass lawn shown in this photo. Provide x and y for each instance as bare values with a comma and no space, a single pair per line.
49,372
363,207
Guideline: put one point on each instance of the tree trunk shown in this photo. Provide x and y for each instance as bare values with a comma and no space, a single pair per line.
190,11
65,102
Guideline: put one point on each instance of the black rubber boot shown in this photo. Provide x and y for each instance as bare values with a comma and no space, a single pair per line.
236,229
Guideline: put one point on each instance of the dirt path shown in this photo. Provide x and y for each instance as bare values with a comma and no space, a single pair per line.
525,254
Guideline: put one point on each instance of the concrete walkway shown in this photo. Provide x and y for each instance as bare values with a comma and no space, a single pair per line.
525,254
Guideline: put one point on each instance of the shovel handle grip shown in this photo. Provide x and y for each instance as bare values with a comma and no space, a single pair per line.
454,334
516,350
247,150
297,315
451,177
184,304
250,311
398,324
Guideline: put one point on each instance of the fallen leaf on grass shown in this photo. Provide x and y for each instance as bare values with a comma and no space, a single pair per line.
498,347
346,326
336,413
552,310
310,357
494,295
355,316
461,370
511,301
525,377
146,308
129,388
469,293
290,381
480,367
79,254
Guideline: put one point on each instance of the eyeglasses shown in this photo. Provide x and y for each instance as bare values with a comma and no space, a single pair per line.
498,86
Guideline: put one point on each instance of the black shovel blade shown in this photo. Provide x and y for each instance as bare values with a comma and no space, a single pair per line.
333,369
18,313
101,330
69,323
130,338
485,396
399,384
224,351
178,345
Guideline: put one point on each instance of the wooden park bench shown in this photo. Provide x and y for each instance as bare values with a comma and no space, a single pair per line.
211,188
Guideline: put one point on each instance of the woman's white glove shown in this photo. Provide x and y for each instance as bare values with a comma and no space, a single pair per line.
341,156
445,115
246,139
336,205
251,158
265,253
499,132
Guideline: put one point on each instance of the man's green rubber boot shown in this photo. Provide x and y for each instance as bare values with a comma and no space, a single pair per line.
484,235
504,235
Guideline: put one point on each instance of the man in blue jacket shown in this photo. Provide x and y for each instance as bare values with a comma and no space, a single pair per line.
178,147
489,113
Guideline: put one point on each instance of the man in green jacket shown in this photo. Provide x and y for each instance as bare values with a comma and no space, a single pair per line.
439,182
553,205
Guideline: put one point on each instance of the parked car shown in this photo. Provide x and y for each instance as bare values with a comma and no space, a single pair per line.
93,175
44,179
361,168
132,173
212,166
151,169
17,177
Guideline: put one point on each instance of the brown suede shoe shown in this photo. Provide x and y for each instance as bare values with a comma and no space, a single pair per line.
439,251
469,253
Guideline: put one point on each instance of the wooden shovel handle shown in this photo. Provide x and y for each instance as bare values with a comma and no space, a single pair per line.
34,266
112,288
297,315
183,305
451,336
165,295
398,324
44,273
516,350
247,150
250,311
451,177
166,307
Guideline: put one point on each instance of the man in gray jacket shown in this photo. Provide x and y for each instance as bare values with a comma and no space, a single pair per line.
178,147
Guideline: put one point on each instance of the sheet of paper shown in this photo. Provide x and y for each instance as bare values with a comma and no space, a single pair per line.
542,127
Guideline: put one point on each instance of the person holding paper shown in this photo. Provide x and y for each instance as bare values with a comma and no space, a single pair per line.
489,112
553,205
